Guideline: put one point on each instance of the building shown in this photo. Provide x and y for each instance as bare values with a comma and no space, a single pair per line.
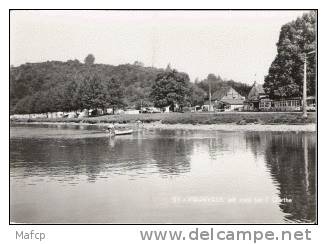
206,107
227,99
71,115
166,109
132,111
311,103
257,99
84,113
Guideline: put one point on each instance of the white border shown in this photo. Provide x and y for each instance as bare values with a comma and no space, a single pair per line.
129,234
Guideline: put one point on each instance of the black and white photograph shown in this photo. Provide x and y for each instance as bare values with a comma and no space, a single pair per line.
163,116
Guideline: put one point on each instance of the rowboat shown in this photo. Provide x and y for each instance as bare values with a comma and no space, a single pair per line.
123,132
120,132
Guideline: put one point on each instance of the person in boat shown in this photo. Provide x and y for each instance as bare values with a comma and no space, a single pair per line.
139,124
111,129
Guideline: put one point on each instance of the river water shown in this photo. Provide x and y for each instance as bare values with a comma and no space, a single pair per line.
77,174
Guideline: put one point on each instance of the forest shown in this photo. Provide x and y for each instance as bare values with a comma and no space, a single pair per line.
73,85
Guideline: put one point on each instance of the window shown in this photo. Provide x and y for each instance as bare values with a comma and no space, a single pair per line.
297,103
293,103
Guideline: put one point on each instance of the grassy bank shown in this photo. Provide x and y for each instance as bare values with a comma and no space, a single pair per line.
241,118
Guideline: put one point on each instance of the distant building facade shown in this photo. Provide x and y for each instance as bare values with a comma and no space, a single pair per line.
257,100
226,99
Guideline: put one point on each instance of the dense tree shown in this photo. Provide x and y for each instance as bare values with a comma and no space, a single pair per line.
285,77
198,95
242,88
142,103
92,92
89,59
71,100
114,94
25,105
171,88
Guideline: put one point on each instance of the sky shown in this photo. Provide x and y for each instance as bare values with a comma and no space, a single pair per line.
238,45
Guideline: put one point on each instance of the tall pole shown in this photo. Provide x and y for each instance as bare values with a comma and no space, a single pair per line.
209,95
304,93
141,105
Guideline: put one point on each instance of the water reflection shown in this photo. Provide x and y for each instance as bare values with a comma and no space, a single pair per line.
100,156
290,159
171,155
149,168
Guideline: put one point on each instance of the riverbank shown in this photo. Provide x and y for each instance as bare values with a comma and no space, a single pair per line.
196,121
233,127
241,118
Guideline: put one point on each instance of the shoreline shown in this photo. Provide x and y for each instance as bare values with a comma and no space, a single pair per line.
207,127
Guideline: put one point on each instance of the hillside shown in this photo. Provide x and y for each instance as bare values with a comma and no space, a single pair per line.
33,79
41,87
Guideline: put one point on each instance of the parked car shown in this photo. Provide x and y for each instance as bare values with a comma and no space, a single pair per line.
311,108
153,110
143,111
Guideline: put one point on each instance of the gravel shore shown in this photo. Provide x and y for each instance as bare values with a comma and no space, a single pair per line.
210,127
234,127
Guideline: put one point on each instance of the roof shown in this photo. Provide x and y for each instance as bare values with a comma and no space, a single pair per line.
226,101
255,92
260,89
233,101
220,93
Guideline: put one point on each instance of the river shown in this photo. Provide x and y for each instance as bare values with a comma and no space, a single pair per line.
77,174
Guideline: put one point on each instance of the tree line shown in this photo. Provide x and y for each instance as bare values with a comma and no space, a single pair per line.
92,93
70,86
